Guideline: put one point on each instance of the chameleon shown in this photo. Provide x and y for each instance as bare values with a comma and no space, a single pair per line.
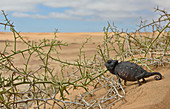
129,71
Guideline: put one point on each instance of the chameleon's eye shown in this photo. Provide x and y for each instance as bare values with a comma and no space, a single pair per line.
111,64
109,61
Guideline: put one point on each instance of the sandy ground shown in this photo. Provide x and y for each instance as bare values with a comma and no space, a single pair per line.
151,95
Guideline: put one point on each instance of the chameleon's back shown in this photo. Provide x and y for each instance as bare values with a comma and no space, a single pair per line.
128,70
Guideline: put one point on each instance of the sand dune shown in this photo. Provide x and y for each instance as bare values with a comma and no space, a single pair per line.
151,95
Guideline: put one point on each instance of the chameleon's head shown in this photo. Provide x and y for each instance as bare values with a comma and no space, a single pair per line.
111,64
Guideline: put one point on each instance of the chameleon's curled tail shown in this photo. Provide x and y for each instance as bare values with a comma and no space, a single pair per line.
157,77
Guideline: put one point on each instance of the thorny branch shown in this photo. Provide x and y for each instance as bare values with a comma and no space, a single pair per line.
51,90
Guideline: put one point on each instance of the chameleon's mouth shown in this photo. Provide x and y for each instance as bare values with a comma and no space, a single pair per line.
110,68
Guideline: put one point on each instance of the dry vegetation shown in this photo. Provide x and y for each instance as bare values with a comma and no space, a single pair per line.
45,86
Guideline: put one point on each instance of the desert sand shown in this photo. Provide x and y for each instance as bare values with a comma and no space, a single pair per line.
151,95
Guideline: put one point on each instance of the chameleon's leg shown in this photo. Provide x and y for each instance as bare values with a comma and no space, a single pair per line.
144,81
118,78
139,77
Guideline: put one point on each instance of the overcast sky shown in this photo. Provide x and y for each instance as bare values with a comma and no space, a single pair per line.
78,15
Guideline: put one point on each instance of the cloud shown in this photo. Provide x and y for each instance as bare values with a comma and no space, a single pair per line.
162,3
37,16
53,15
115,10
62,16
19,5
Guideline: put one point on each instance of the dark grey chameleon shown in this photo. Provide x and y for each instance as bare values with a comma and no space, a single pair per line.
129,71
